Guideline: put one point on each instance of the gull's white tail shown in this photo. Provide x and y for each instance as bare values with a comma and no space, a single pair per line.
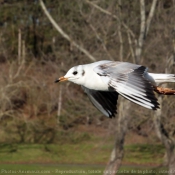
163,78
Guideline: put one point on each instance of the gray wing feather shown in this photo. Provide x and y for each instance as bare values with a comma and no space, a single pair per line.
129,81
105,101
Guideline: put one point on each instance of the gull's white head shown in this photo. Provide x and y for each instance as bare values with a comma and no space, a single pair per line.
75,75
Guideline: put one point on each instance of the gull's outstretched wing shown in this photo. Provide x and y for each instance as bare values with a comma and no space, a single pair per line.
128,80
105,101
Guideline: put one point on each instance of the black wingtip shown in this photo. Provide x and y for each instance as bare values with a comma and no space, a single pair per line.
112,116
56,81
156,107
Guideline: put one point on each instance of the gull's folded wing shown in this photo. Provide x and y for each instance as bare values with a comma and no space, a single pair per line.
129,81
105,101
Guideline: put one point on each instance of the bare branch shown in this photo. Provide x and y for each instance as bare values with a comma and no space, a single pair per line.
142,31
144,27
131,48
150,16
101,40
96,33
110,14
59,29
173,33
22,61
120,32
59,103
19,46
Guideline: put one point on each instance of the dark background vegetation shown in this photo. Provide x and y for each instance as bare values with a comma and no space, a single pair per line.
35,110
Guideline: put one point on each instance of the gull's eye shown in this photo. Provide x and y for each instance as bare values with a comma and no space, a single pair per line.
75,72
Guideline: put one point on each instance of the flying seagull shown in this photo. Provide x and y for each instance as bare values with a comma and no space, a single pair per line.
103,81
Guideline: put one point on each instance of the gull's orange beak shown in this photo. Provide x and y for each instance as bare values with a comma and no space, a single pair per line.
61,79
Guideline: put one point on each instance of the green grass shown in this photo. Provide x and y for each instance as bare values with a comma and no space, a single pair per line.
84,157
144,153
77,154
64,153
90,152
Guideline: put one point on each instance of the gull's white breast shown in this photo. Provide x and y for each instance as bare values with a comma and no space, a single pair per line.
94,81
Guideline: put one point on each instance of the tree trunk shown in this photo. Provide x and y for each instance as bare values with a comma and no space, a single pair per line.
118,150
122,120
167,140
122,124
